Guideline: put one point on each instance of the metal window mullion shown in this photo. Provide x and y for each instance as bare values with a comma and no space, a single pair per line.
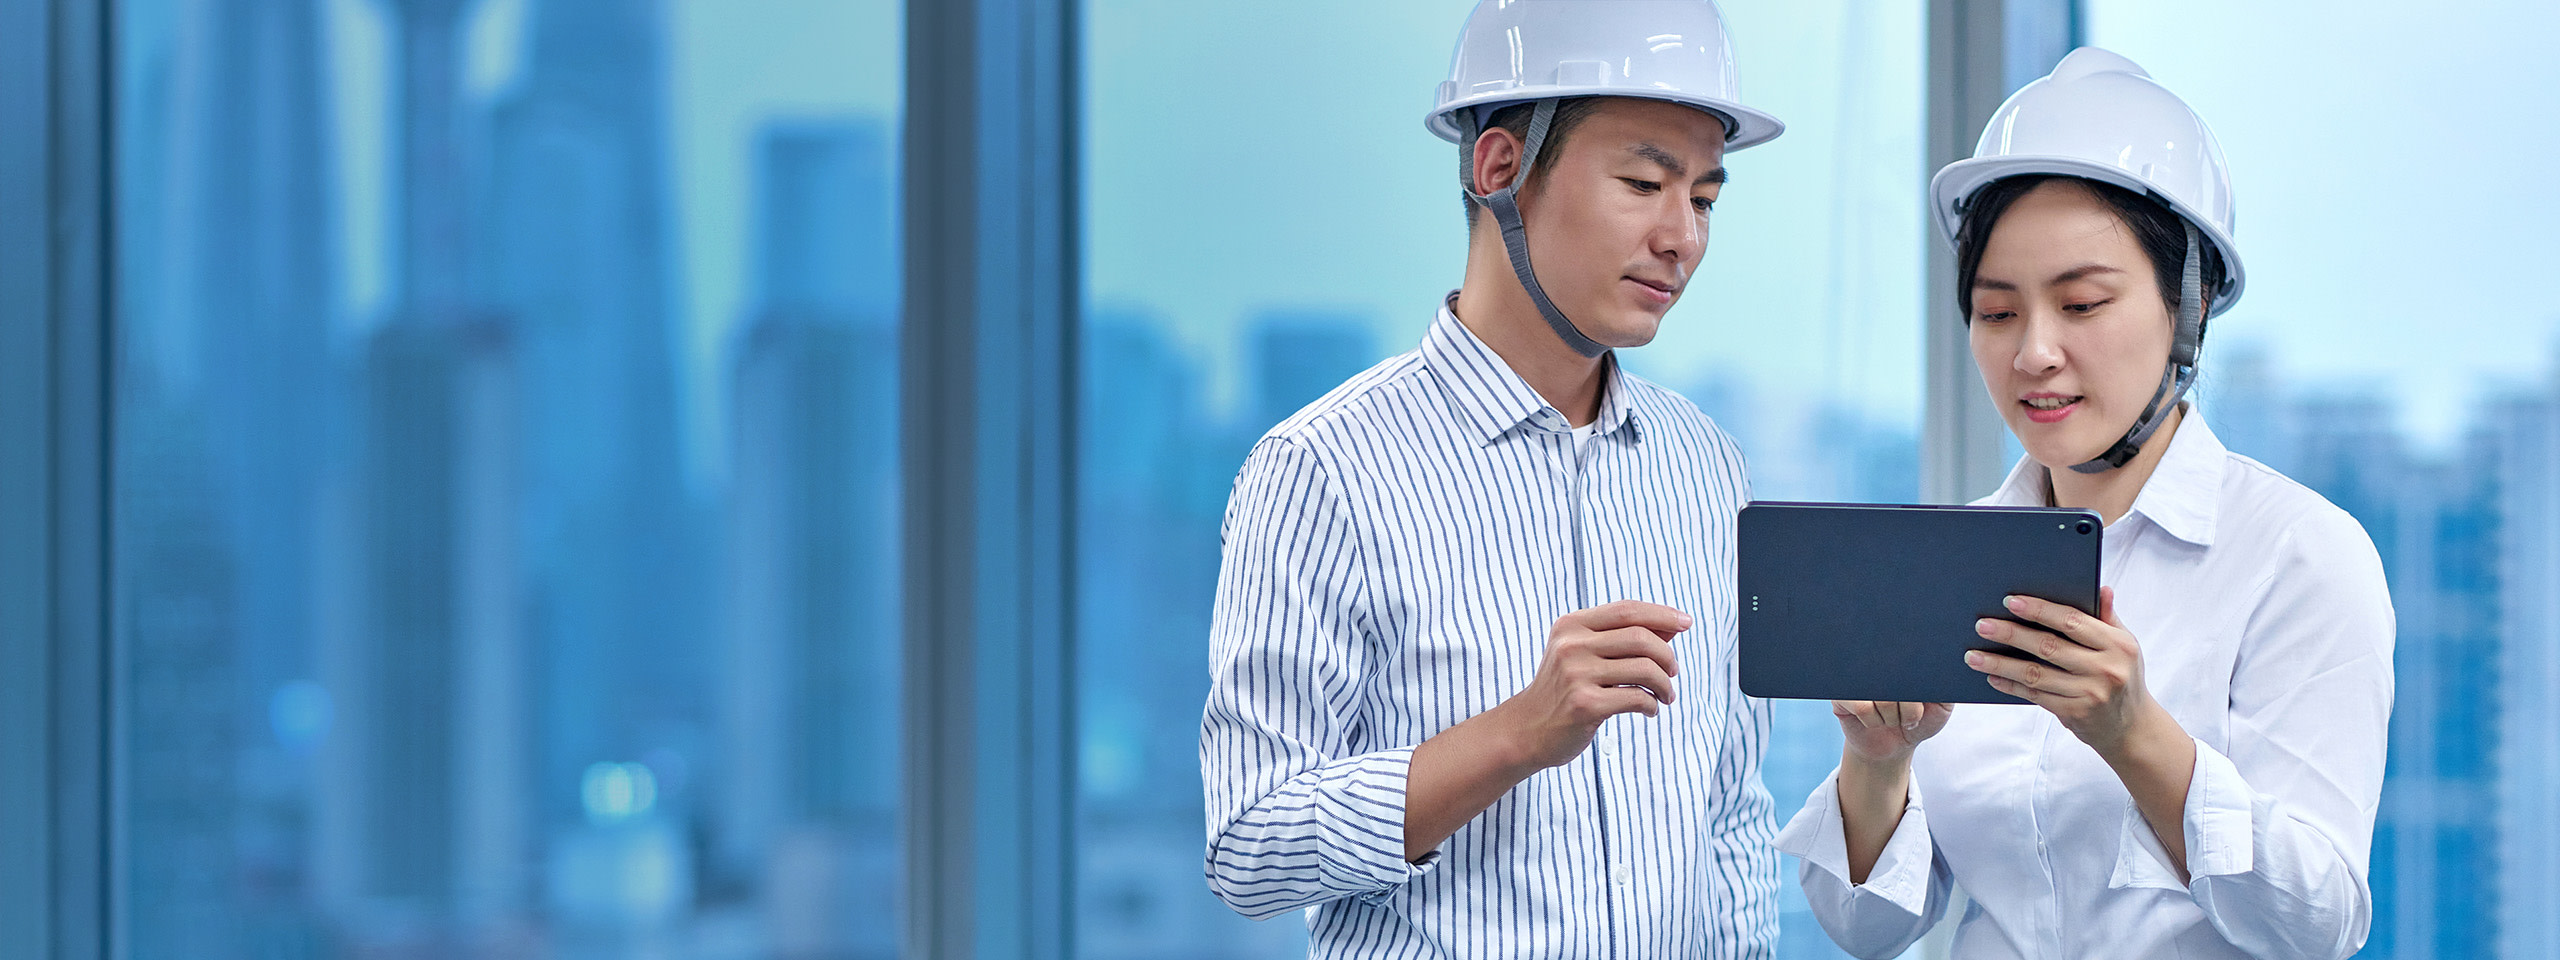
987,360
54,420
1979,52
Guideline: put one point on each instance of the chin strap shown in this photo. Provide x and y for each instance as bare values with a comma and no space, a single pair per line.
2182,365
1505,206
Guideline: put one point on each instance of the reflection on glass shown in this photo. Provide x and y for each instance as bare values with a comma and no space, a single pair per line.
505,487
1279,221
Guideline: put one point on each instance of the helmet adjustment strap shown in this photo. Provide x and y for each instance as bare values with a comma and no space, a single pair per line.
1505,206
2181,373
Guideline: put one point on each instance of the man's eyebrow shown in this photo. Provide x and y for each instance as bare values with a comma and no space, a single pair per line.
1663,158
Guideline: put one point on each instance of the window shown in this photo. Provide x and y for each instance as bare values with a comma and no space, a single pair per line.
2382,357
1279,220
505,488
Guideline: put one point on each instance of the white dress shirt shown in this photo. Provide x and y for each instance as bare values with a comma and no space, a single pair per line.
2266,631
1394,557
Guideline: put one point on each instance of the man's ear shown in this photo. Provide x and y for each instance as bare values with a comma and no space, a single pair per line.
1496,161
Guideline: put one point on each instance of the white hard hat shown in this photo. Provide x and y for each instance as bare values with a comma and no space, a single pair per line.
1516,51
2099,116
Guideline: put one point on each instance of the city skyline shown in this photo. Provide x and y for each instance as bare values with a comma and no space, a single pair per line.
416,572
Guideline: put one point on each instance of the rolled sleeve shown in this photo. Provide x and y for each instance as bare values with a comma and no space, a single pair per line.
1301,811
2279,822
1904,894
1334,831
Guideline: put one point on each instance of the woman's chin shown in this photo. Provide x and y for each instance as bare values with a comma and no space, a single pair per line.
2058,452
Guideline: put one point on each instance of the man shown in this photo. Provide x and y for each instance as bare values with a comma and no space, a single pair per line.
1444,582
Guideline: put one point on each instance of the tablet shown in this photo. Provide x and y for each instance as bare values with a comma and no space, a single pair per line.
1843,601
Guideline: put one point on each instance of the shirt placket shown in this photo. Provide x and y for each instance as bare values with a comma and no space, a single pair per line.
1574,468
2040,808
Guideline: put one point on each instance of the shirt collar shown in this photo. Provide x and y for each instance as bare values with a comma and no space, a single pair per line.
1491,398
2182,497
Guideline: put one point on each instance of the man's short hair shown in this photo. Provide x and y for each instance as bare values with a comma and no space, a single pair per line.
1570,112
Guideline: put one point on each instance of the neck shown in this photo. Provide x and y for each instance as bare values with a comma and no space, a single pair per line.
2111,493
1499,312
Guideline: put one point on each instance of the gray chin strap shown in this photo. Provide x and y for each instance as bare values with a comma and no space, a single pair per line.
1505,206
2182,366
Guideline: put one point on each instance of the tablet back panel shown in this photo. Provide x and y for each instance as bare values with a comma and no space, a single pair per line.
1878,602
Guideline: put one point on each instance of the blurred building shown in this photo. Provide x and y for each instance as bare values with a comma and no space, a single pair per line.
426,824
807,795
570,239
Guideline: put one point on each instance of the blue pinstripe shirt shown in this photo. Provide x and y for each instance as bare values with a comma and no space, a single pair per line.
1394,555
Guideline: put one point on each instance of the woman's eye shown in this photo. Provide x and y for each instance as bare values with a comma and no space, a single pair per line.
1994,316
2085,308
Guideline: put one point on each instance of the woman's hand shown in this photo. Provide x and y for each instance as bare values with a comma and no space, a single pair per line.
2095,688
1883,732
1875,770
2094,685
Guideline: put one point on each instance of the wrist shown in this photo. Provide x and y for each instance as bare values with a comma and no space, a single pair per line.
2154,736
1510,748
1887,779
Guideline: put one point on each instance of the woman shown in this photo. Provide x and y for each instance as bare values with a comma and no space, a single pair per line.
2198,770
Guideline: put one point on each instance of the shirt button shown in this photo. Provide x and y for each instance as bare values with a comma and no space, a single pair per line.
1622,875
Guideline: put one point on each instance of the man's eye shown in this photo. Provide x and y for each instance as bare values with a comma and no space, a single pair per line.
1642,186
1703,204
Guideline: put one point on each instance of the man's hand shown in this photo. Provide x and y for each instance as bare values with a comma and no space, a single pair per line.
1599,663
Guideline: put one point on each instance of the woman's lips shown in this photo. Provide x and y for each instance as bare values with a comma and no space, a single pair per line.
2054,415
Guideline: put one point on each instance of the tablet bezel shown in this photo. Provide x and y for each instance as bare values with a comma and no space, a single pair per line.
1839,601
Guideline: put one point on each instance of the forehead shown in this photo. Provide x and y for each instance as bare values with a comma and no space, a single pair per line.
1687,133
2059,221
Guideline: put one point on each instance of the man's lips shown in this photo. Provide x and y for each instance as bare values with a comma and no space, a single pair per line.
1658,293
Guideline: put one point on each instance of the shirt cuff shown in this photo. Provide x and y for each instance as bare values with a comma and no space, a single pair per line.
2220,820
1364,813
1901,873
2217,824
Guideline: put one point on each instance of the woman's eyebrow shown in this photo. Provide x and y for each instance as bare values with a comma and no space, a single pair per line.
2081,272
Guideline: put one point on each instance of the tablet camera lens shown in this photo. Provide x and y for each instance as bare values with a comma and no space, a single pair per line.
2084,527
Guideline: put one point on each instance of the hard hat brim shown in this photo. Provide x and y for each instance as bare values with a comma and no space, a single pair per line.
1744,127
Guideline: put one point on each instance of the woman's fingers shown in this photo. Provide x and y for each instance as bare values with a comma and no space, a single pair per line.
2071,656
2025,674
2062,619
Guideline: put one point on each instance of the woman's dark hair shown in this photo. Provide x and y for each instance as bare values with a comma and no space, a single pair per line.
2158,229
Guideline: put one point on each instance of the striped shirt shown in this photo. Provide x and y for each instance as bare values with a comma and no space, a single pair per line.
1394,556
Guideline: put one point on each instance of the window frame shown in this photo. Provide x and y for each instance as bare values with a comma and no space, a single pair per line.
989,334
55,265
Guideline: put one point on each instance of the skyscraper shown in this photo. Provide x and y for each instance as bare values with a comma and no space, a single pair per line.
806,800
2525,429
426,843
571,242
223,317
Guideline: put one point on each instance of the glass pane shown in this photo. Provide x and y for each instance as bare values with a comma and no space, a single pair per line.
505,491
1278,220
2382,357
